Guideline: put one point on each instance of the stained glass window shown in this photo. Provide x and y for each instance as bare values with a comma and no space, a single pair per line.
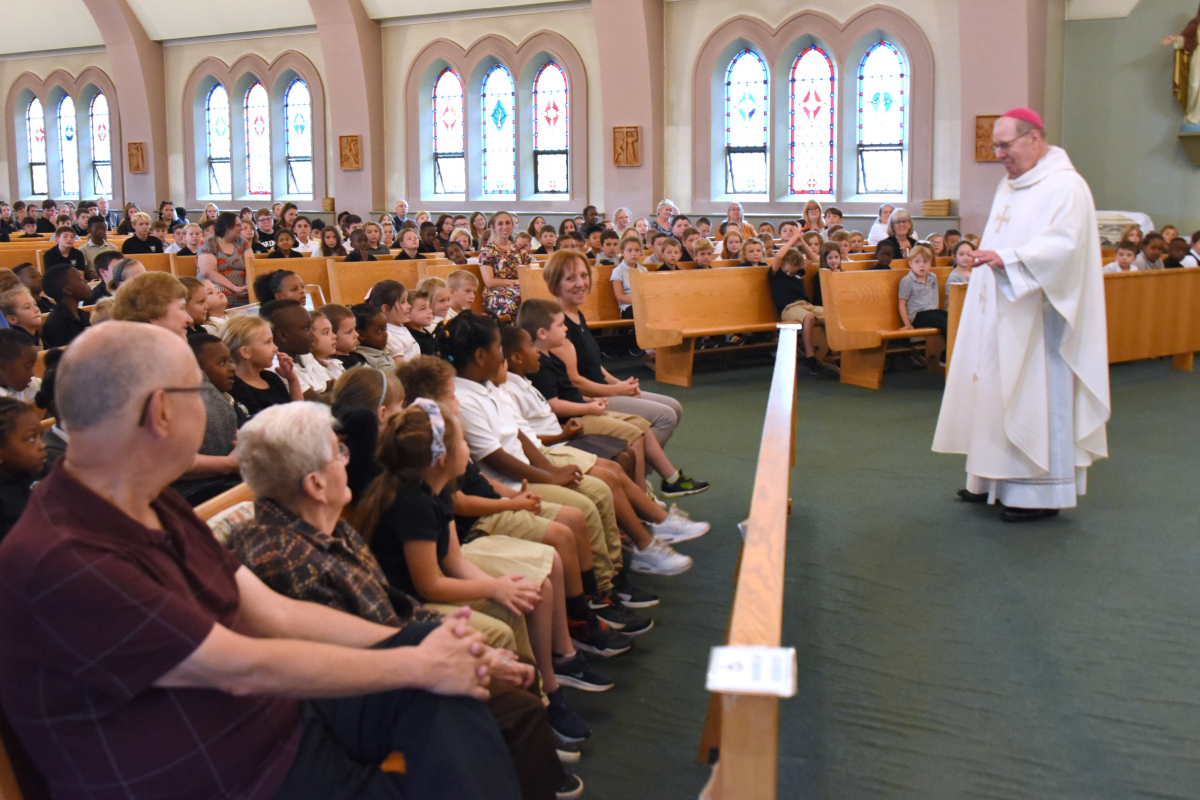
746,88
297,137
101,146
217,135
499,132
882,120
551,129
68,148
258,141
449,153
35,134
811,158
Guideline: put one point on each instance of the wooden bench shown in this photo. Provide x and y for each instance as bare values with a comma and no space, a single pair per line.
11,258
313,271
183,266
862,316
349,283
600,309
673,309
154,262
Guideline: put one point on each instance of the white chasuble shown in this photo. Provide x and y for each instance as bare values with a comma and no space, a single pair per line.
1027,396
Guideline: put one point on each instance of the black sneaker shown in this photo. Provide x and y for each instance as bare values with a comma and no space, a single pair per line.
813,366
568,753
631,596
578,674
565,722
681,487
571,789
596,637
613,611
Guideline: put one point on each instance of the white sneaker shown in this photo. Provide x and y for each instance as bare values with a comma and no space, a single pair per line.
650,493
678,527
658,559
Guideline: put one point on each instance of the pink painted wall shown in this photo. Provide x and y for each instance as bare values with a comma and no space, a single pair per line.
630,33
1009,71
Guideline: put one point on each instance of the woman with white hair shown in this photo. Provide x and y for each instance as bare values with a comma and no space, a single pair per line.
298,545
622,218
736,217
663,213
900,233
879,231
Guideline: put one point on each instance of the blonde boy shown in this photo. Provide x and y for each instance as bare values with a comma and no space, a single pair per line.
704,253
439,298
463,285
671,251
856,242
918,293
21,311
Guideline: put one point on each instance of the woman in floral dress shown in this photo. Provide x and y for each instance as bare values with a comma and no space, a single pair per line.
498,262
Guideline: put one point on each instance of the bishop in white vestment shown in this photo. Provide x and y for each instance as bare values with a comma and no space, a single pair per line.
1027,396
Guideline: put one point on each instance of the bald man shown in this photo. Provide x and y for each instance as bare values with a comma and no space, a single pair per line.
140,659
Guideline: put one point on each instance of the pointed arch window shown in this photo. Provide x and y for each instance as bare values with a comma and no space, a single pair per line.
35,143
258,141
882,120
812,152
297,137
449,152
100,135
217,137
746,89
551,130
499,132
68,148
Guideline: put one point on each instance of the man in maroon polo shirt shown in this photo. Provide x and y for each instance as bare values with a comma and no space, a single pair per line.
139,659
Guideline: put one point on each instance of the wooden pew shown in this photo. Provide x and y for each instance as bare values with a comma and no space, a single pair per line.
310,270
349,283
741,731
1152,314
154,262
673,309
11,258
862,316
600,309
183,266
427,270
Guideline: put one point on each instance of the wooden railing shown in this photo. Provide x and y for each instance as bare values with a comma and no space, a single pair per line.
741,733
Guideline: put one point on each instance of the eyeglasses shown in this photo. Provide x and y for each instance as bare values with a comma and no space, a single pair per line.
145,417
1007,146
343,452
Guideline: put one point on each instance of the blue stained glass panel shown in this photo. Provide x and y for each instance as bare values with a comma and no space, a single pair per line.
297,138
882,120
499,132
746,100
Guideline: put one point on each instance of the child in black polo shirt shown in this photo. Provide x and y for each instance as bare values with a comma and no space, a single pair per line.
141,241
65,253
29,228
66,285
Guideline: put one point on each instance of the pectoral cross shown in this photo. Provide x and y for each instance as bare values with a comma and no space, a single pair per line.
1002,218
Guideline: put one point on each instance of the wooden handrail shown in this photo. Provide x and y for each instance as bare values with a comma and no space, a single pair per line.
745,728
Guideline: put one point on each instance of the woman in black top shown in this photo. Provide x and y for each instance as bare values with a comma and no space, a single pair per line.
900,233
568,276
252,346
141,242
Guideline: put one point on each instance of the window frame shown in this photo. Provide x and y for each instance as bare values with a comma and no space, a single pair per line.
900,147
485,119
565,153
247,156
448,155
65,143
212,161
290,160
98,163
29,144
765,147
832,111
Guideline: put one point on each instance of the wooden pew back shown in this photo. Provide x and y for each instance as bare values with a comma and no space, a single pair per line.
1152,314
183,266
310,270
349,283
672,306
154,262
11,258
601,304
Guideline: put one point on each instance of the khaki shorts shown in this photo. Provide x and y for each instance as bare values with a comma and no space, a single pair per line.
800,309
626,427
518,524
564,455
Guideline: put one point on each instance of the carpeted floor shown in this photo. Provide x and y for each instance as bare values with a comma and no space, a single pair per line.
943,653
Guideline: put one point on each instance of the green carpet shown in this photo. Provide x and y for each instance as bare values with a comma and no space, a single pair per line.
942,653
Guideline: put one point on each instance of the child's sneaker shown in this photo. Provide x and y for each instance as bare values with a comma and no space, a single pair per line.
658,559
678,527
563,721
683,486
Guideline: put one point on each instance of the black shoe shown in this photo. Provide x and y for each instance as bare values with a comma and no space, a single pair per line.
565,722
613,611
1028,514
972,497
571,789
683,486
631,596
568,752
596,637
812,366
578,674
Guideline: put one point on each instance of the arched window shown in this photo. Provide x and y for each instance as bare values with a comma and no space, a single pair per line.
551,130
258,141
297,137
68,147
882,120
746,87
217,136
812,148
35,138
499,132
101,146
449,152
